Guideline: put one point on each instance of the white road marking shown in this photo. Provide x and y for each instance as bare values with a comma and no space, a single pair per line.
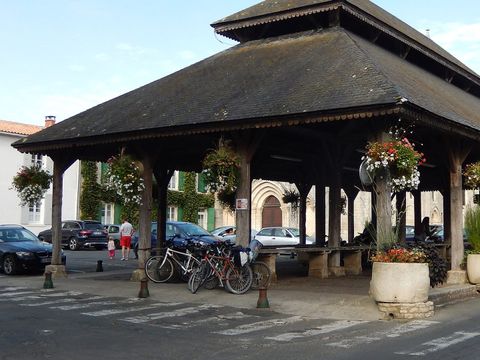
59,294
22,298
257,326
14,288
57,301
94,303
12,294
217,318
337,325
167,314
108,312
379,335
441,343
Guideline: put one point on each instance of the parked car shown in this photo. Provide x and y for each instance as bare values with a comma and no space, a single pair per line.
113,230
229,232
78,234
280,236
178,232
21,250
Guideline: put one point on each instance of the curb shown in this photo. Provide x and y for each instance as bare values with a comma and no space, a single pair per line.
453,294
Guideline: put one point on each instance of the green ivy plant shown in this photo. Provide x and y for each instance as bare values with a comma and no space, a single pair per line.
31,183
91,190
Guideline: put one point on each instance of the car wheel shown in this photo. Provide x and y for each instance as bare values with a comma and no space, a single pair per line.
73,244
10,265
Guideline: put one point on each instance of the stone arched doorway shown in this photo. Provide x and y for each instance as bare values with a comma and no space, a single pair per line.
271,213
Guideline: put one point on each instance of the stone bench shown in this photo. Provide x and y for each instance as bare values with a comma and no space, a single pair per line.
317,259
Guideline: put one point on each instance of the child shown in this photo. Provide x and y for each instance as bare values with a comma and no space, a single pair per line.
111,247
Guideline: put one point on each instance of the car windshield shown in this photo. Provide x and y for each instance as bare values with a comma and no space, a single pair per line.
295,232
93,226
15,235
194,230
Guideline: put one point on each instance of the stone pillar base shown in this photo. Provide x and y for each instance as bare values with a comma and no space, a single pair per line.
419,310
57,271
138,275
455,277
337,271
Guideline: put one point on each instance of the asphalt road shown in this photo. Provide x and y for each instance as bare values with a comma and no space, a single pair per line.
54,324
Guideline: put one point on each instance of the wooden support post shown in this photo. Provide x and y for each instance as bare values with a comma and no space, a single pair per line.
319,210
60,165
401,216
351,193
383,209
163,176
417,211
456,155
303,189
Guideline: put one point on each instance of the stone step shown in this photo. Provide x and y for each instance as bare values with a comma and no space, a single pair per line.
452,294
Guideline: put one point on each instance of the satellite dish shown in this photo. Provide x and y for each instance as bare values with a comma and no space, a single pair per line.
365,176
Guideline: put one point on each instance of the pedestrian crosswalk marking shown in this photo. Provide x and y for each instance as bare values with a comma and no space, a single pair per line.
94,303
108,312
327,328
379,335
217,318
441,343
13,294
257,326
50,302
167,314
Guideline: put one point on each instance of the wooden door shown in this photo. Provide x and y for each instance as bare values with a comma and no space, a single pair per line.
271,213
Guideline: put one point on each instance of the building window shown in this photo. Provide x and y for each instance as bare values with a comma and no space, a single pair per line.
107,214
37,160
203,218
173,184
171,213
34,213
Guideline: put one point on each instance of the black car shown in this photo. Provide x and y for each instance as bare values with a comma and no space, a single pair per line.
78,234
21,250
179,234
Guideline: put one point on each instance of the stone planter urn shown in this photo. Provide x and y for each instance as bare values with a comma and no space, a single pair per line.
473,268
400,282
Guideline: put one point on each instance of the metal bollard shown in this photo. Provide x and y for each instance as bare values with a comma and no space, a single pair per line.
48,283
143,293
99,266
262,302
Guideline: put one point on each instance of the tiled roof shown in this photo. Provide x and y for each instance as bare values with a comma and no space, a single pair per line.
296,75
18,128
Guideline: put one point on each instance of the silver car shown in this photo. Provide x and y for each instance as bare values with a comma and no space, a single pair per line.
281,236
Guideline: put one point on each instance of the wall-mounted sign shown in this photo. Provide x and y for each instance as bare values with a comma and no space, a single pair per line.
241,204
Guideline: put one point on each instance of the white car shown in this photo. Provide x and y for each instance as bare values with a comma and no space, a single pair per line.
228,232
281,236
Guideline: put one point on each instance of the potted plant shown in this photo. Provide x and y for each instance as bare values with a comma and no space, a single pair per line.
31,183
400,275
472,228
399,158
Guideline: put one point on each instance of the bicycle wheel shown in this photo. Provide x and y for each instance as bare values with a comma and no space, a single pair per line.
261,275
158,270
239,279
198,277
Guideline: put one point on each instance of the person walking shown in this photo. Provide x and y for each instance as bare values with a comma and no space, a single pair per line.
126,232
111,247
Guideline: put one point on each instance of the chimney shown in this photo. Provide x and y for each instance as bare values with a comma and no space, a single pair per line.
49,120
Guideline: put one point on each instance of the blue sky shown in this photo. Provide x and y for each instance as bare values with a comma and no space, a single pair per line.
60,57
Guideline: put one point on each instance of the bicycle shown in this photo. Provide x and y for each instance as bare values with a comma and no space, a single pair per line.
236,278
160,268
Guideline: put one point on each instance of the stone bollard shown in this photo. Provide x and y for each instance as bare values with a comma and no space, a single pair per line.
143,293
262,302
99,266
48,283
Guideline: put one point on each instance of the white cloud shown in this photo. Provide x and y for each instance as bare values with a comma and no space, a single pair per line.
124,46
76,67
102,57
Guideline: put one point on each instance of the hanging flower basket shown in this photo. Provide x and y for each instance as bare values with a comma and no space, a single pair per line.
31,183
221,167
399,158
124,178
291,197
472,175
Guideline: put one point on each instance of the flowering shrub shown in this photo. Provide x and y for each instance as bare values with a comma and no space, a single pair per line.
31,183
400,158
123,177
472,175
400,255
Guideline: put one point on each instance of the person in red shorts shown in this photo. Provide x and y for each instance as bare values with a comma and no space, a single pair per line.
126,232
